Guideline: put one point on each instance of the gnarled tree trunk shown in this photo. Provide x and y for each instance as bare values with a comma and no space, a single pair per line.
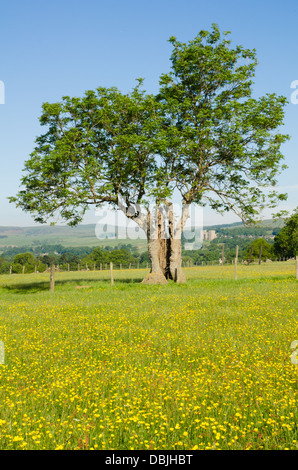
164,246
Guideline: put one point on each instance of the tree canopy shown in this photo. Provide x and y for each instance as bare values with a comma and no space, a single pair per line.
203,133
203,136
253,250
286,241
220,142
116,256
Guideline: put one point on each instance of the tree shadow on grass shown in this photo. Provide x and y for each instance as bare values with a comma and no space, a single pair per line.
44,286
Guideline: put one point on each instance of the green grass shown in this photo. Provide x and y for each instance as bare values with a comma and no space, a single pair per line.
205,365
82,235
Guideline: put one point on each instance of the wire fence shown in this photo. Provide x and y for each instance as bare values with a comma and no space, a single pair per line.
104,267
71,267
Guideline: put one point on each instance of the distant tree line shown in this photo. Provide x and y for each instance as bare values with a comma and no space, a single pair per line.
38,258
244,231
31,259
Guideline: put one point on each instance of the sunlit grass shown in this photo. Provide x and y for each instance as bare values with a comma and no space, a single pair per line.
204,365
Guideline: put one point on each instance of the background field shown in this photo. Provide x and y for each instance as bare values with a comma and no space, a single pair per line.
130,366
81,235
100,235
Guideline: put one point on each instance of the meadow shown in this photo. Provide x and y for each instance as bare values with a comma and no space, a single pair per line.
204,365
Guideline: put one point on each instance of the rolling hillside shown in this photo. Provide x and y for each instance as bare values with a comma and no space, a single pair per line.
92,235
82,235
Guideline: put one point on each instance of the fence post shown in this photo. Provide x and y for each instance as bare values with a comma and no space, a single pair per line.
260,255
10,269
52,277
24,269
111,269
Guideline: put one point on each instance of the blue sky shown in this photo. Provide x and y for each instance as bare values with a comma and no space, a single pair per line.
51,49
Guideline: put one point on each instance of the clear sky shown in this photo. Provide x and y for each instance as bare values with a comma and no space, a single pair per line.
57,48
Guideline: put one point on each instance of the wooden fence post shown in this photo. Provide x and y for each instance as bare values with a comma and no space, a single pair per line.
111,269
260,255
52,277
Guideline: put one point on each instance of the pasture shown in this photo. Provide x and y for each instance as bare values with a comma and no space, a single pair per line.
206,365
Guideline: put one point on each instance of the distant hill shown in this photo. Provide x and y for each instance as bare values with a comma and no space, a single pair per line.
266,224
90,235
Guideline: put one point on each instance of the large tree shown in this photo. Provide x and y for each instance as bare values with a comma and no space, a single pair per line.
286,241
203,136
253,250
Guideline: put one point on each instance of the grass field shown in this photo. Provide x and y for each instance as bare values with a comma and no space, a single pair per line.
88,235
204,365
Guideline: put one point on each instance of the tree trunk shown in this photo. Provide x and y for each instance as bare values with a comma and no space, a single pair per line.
164,239
155,250
176,272
164,248
156,275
